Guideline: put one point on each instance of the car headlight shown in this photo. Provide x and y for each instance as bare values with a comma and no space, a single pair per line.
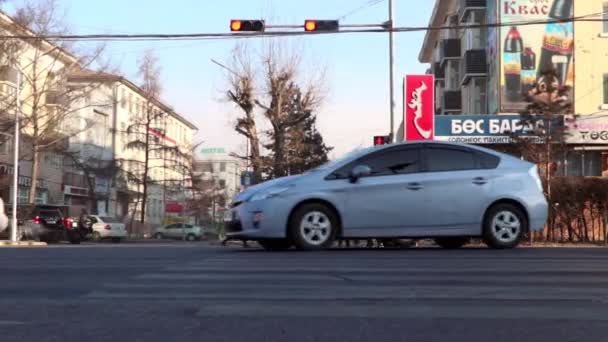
266,194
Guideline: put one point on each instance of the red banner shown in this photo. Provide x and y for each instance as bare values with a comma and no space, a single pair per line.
419,107
174,207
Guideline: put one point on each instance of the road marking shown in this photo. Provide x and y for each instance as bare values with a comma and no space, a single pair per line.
406,311
405,278
11,322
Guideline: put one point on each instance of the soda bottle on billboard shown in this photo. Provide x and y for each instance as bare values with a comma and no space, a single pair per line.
528,69
558,41
512,51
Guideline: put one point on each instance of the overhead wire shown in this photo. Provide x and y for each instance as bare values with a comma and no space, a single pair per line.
248,35
368,4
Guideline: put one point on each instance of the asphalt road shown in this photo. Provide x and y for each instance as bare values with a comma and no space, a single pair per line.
194,292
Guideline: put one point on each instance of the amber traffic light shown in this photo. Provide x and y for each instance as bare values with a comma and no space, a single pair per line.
311,25
237,25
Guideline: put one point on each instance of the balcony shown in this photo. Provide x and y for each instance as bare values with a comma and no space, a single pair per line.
450,49
474,64
466,7
452,101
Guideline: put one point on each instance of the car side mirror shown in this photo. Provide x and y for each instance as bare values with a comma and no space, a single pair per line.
358,172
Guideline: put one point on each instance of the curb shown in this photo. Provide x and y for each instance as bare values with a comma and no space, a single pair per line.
10,244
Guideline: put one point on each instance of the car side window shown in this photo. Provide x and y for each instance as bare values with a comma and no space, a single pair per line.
385,162
394,162
487,161
439,159
189,226
171,226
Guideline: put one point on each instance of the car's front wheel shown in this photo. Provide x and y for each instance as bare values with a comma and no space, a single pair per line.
504,226
313,227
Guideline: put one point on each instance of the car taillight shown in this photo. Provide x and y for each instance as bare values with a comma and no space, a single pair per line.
107,227
37,220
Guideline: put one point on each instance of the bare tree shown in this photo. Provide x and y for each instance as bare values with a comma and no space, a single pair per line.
241,93
147,133
285,101
50,105
545,118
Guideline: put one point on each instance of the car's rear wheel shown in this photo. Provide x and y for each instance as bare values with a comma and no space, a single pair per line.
190,237
451,242
313,227
275,245
158,236
504,226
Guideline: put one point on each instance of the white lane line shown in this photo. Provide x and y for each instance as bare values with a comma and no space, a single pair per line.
353,294
574,312
2,322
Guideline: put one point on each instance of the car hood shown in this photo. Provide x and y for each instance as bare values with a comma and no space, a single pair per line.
243,196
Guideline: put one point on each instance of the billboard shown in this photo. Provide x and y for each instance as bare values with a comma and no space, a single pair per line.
486,129
419,107
528,51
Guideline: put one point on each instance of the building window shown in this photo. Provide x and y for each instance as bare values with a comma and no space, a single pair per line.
584,163
130,103
605,88
453,74
223,167
123,99
6,146
479,96
222,184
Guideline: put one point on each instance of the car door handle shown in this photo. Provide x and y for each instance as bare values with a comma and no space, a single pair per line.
414,186
479,181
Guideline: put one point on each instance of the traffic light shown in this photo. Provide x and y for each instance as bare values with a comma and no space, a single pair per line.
237,25
381,140
321,25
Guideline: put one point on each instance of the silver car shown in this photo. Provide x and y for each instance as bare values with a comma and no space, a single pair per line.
446,191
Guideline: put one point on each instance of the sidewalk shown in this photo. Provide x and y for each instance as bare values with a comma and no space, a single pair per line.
10,244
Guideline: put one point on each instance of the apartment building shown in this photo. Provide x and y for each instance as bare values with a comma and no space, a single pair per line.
115,115
482,72
39,64
221,171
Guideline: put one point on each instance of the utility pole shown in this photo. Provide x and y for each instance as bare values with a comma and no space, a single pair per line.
391,42
16,159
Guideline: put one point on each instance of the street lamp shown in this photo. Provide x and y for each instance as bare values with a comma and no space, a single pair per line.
16,160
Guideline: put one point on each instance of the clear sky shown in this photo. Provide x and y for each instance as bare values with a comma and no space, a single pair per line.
357,105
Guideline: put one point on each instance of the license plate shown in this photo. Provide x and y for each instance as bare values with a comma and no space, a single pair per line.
51,222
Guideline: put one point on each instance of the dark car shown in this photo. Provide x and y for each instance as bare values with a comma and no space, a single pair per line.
53,224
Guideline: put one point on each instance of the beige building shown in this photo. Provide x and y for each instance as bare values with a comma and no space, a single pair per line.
488,70
116,113
41,65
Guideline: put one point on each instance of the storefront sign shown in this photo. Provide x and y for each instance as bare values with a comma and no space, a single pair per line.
217,150
592,129
419,107
484,129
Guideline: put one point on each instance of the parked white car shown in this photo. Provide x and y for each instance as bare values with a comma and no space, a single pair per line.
105,227
3,217
182,231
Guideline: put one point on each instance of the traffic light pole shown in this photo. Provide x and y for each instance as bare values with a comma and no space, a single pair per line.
391,42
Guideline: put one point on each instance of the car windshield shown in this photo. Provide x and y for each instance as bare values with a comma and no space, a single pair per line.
330,164
108,219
